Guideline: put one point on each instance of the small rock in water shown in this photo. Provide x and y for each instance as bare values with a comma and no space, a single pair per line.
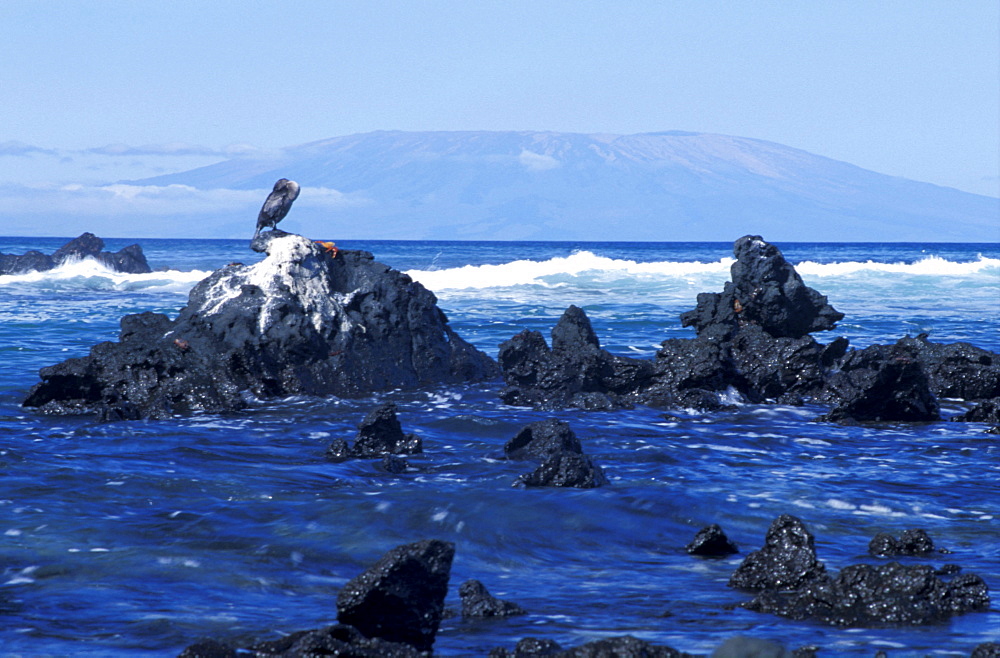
478,602
711,541
379,434
911,542
541,439
565,469
787,560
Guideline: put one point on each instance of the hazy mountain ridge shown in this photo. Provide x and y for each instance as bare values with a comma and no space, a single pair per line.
651,186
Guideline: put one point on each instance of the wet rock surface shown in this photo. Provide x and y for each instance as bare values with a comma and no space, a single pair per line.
379,434
477,602
910,542
541,439
987,411
401,597
563,462
792,583
130,260
711,541
299,322
625,646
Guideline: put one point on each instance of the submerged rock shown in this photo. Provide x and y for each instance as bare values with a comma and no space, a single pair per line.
711,541
298,322
987,411
565,469
478,602
379,434
625,646
130,260
401,597
541,439
911,542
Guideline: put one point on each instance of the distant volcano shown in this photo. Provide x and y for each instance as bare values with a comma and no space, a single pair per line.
669,186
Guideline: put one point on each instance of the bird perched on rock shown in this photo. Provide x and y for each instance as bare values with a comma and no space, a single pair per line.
277,205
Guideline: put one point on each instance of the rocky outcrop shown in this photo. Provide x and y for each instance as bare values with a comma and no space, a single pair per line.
765,291
791,582
753,345
711,541
786,561
379,435
987,411
575,372
129,260
299,322
477,602
563,462
874,596
401,597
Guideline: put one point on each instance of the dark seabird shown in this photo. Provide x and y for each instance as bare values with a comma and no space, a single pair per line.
279,201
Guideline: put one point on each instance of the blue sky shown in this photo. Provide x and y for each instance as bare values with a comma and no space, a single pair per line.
99,91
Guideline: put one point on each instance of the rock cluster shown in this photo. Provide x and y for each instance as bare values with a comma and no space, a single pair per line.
130,260
753,342
563,462
790,581
299,322
477,602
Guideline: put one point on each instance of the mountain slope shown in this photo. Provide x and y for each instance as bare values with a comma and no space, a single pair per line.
543,185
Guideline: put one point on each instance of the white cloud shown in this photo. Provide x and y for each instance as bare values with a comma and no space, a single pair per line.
537,161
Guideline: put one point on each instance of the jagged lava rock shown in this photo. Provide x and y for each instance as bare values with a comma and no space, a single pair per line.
298,322
541,439
401,597
786,561
881,384
878,596
987,411
625,646
478,602
130,260
911,542
565,469
379,434
766,291
575,372
711,541
956,370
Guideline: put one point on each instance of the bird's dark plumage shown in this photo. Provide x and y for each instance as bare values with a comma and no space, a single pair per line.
278,202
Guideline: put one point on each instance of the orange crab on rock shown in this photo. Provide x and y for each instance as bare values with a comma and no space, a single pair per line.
328,247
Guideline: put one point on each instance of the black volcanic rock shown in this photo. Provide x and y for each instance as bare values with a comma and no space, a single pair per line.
379,434
401,597
565,469
765,291
786,561
298,322
625,646
478,602
575,372
881,384
711,541
956,370
911,542
987,411
877,596
542,438
130,259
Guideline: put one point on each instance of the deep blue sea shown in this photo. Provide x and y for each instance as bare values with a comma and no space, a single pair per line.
139,538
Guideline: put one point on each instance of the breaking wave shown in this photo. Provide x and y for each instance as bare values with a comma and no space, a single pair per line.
560,271
88,274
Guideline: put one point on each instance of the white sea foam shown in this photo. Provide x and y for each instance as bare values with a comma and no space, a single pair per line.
554,271
88,274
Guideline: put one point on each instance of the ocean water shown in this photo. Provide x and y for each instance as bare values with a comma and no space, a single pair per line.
139,538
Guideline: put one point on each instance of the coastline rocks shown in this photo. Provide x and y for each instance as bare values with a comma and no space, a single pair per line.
625,646
792,583
956,370
881,383
129,260
478,602
300,322
987,411
711,541
379,435
401,597
765,291
575,372
787,560
876,596
541,439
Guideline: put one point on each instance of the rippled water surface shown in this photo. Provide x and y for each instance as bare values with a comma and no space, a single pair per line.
139,538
